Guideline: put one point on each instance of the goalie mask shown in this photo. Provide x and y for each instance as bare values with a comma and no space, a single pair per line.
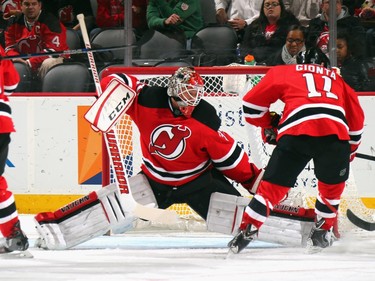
313,56
186,88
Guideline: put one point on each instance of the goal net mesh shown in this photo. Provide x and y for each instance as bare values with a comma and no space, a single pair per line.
224,89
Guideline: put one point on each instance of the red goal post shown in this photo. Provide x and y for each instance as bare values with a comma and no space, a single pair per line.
224,88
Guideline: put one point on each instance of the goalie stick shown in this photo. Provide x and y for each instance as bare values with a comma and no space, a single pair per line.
110,137
357,221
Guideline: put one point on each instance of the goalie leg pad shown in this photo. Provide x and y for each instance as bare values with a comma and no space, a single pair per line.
142,191
225,213
83,219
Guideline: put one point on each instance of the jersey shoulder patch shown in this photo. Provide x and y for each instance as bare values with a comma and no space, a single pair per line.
206,114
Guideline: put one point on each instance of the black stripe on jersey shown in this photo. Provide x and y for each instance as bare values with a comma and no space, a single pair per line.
355,137
311,112
5,108
8,210
252,111
324,208
260,208
230,160
123,77
174,176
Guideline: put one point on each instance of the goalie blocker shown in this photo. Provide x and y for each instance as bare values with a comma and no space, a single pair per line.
110,106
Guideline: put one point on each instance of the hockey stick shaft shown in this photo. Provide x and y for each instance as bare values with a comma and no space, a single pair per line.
115,154
62,53
365,156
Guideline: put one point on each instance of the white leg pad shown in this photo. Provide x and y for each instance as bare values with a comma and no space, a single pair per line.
225,216
81,220
225,212
142,191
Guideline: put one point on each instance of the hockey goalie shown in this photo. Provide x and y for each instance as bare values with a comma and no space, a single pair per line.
186,159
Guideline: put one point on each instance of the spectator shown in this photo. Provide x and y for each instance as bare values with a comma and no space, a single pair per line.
175,16
267,34
35,31
304,10
237,13
111,14
353,70
67,10
318,30
294,44
8,9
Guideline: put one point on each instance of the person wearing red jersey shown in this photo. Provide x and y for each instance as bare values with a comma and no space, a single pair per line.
110,14
186,157
322,121
35,31
10,227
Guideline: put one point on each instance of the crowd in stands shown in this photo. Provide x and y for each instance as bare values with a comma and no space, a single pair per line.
273,31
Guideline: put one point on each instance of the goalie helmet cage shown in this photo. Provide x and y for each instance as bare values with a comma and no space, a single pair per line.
224,89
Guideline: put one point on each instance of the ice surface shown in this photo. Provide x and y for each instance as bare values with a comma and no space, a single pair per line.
172,256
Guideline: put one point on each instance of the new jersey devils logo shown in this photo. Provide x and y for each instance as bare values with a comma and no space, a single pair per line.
169,141
29,45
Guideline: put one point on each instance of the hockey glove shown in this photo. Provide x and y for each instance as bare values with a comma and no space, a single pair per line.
269,134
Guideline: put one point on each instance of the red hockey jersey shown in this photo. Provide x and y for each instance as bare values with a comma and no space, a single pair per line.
46,35
317,103
177,149
9,80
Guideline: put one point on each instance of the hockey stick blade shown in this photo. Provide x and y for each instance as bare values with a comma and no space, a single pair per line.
357,221
4,254
156,215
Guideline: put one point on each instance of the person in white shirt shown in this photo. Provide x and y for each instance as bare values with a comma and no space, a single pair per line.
237,13
304,10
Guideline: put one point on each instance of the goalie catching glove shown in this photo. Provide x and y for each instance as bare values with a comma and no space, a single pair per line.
269,134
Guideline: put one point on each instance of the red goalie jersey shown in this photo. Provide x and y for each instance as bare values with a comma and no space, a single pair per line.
177,149
318,103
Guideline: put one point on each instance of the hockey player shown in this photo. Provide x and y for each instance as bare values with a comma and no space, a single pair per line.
323,121
186,159
10,227
185,156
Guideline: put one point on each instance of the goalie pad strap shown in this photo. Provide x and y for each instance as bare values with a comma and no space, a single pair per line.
110,106
142,191
83,219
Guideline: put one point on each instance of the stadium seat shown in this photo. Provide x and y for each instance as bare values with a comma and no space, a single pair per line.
72,39
112,37
208,11
157,45
68,77
26,83
214,45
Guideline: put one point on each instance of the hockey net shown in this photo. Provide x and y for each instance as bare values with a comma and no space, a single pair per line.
224,88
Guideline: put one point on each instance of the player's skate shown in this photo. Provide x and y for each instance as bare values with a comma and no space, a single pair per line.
319,238
17,240
242,239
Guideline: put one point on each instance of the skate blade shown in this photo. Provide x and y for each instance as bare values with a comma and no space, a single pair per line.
311,249
16,255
